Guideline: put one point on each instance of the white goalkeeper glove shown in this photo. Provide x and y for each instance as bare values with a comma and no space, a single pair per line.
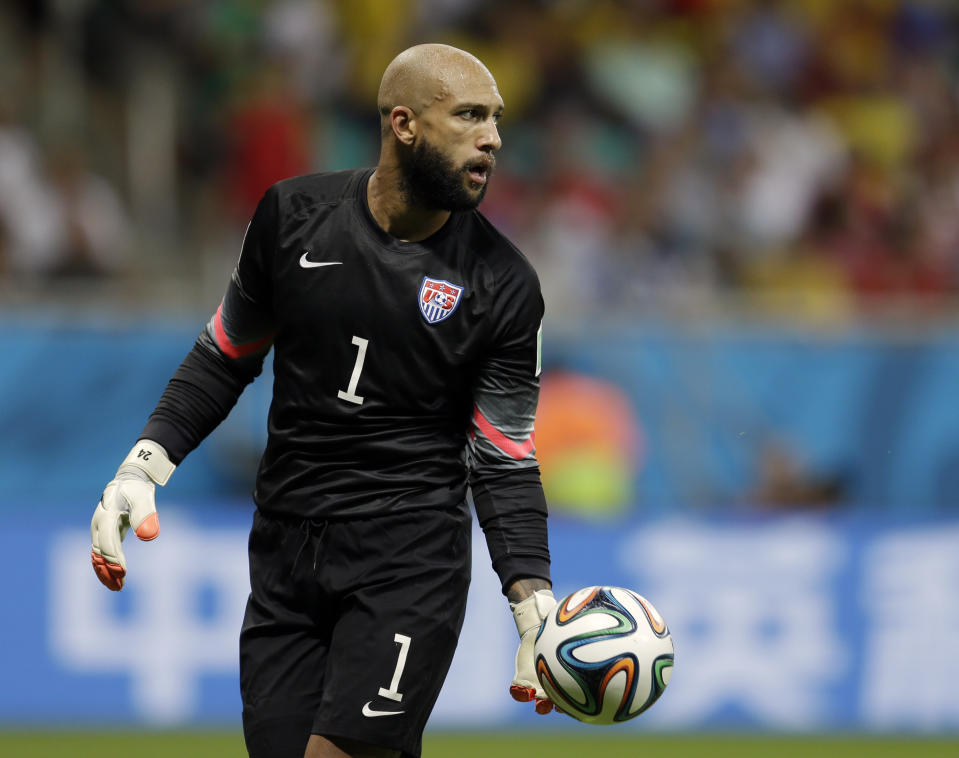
528,615
127,502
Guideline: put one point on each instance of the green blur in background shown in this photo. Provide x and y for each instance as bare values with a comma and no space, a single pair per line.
454,745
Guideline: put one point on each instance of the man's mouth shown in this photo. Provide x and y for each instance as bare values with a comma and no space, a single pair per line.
479,171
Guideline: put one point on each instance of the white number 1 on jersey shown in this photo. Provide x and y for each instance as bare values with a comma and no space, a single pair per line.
350,395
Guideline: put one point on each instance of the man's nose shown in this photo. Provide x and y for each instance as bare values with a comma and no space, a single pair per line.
489,140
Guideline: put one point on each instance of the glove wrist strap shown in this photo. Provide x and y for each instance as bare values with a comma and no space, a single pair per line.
529,613
151,458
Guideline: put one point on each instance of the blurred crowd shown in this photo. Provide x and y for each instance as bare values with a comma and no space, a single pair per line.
660,156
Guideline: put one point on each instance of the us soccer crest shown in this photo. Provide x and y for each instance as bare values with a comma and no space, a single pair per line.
438,299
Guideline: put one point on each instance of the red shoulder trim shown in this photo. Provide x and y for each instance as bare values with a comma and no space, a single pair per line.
230,349
515,450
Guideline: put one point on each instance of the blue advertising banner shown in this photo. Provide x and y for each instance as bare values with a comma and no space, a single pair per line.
675,463
787,623
630,419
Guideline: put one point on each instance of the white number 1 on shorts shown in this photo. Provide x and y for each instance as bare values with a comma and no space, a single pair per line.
392,693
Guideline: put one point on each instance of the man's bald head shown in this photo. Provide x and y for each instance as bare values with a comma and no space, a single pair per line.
424,74
439,107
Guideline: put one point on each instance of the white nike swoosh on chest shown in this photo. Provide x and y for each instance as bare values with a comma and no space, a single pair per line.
304,263
370,713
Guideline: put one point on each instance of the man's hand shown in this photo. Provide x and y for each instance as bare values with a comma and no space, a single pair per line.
127,502
528,614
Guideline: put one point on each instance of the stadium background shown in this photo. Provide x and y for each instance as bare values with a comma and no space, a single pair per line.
745,215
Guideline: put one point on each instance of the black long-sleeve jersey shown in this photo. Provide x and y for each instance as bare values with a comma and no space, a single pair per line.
403,371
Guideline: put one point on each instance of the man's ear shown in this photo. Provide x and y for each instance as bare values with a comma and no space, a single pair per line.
403,123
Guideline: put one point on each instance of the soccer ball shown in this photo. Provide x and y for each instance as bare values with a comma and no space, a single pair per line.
603,655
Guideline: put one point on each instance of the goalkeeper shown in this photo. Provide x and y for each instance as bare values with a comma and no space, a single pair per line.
406,339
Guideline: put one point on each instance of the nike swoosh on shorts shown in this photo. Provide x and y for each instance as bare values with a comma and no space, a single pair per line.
370,713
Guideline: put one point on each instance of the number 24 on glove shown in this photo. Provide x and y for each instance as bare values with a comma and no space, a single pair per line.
127,503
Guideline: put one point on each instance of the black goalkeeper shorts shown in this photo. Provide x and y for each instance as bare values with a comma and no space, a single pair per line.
350,627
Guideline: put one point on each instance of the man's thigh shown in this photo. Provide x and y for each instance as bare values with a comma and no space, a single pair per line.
361,648
283,649
397,631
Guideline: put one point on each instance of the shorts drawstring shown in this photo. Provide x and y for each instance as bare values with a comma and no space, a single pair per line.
320,526
310,528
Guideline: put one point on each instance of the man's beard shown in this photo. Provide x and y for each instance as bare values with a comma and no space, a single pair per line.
432,181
